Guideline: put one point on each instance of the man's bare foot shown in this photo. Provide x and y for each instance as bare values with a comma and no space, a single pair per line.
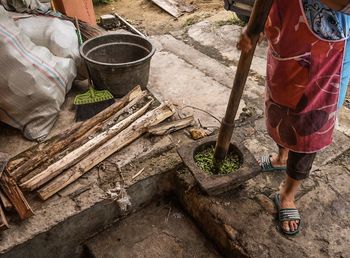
293,225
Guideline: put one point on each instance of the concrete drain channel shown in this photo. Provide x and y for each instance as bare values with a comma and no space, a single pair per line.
169,216
173,223
161,229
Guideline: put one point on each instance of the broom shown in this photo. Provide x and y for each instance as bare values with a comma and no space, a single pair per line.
94,101
87,31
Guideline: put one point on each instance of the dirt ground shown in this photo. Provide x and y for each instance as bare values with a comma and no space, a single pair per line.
151,19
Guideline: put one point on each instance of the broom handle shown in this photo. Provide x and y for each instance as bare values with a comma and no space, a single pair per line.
256,25
80,40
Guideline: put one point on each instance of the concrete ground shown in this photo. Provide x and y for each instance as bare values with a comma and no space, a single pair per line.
194,69
199,73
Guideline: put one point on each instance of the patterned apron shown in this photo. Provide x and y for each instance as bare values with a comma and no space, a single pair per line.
303,80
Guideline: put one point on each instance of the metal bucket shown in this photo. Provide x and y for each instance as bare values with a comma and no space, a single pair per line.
118,62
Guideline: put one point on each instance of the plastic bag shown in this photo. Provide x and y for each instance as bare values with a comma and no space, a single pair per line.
33,82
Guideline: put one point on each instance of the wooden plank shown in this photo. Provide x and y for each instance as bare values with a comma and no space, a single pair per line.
42,152
170,6
103,126
127,136
3,221
4,158
170,127
15,195
78,154
6,202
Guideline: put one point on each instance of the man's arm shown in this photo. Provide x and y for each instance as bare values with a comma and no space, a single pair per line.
337,5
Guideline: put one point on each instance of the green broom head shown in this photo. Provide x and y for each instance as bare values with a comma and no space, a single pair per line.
92,96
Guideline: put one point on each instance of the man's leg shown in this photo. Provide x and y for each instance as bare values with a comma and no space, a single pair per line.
280,159
298,169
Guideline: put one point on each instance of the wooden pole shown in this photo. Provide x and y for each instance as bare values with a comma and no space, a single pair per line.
255,27
34,157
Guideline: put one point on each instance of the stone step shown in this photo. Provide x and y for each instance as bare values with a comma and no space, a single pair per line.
79,211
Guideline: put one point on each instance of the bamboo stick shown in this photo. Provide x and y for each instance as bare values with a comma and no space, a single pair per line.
42,152
127,136
78,154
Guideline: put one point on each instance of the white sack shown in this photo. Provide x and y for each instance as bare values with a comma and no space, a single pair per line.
28,6
33,82
53,33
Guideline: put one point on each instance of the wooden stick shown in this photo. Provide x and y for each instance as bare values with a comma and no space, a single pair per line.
78,154
3,221
171,127
16,196
40,153
127,136
256,25
137,174
6,202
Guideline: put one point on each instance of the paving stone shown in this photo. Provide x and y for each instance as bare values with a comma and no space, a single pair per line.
344,121
209,66
174,80
254,88
224,39
341,143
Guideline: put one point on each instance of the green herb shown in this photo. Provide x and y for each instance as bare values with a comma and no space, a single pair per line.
205,160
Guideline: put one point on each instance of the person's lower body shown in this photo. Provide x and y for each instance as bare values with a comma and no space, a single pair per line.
298,167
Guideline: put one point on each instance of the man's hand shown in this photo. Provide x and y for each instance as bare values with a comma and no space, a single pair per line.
245,43
336,4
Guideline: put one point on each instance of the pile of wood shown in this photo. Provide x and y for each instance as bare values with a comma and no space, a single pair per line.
50,166
175,8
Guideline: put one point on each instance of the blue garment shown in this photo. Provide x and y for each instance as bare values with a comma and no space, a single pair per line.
331,25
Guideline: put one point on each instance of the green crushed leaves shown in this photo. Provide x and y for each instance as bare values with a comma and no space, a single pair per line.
205,158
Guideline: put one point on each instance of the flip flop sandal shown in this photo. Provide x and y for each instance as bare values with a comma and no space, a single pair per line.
266,165
287,214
